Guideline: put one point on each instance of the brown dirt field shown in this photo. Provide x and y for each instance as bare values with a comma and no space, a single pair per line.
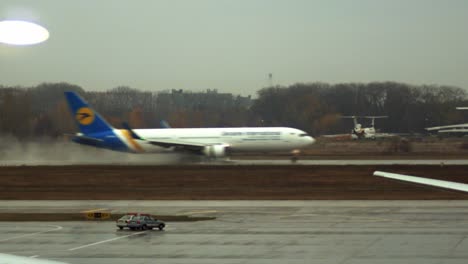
194,182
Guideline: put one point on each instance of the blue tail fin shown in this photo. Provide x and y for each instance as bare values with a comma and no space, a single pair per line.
88,120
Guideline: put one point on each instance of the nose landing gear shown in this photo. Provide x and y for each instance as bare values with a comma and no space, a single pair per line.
295,155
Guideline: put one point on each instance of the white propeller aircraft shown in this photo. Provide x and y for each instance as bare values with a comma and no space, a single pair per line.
211,142
360,132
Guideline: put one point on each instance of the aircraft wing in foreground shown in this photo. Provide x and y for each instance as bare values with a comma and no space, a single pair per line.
12,259
432,182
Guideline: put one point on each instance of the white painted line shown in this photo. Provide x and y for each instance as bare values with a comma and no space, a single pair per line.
105,241
35,256
33,234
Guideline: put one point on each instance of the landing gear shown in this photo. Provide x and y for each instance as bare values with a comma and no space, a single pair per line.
295,155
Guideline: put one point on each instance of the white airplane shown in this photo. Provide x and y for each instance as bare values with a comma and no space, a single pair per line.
211,142
432,182
12,259
458,129
360,132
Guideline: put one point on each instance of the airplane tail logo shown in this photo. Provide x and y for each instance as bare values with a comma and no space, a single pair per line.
88,120
84,116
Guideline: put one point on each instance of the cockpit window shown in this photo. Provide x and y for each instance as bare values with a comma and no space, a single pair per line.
303,135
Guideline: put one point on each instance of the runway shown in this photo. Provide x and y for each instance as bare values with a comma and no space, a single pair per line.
346,162
250,232
255,162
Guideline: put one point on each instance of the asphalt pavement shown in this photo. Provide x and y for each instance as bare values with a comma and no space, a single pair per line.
249,232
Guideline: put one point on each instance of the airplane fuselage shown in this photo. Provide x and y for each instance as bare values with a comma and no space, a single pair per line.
211,142
239,139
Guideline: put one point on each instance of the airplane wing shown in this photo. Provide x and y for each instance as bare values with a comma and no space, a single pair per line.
209,149
11,259
370,117
432,182
336,135
84,138
456,130
385,135
185,145
457,126
89,139
178,144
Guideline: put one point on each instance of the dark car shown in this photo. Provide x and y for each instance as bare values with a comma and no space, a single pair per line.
144,222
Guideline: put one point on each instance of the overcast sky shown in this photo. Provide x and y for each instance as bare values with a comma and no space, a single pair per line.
233,45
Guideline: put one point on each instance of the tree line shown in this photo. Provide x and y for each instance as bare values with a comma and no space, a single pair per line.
318,107
41,111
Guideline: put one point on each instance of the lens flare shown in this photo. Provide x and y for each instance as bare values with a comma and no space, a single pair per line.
15,32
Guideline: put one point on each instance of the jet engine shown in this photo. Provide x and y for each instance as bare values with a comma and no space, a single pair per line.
215,151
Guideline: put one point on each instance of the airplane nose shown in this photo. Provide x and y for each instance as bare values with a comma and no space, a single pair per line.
311,140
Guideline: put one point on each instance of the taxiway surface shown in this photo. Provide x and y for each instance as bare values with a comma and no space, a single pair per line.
255,162
346,162
249,232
